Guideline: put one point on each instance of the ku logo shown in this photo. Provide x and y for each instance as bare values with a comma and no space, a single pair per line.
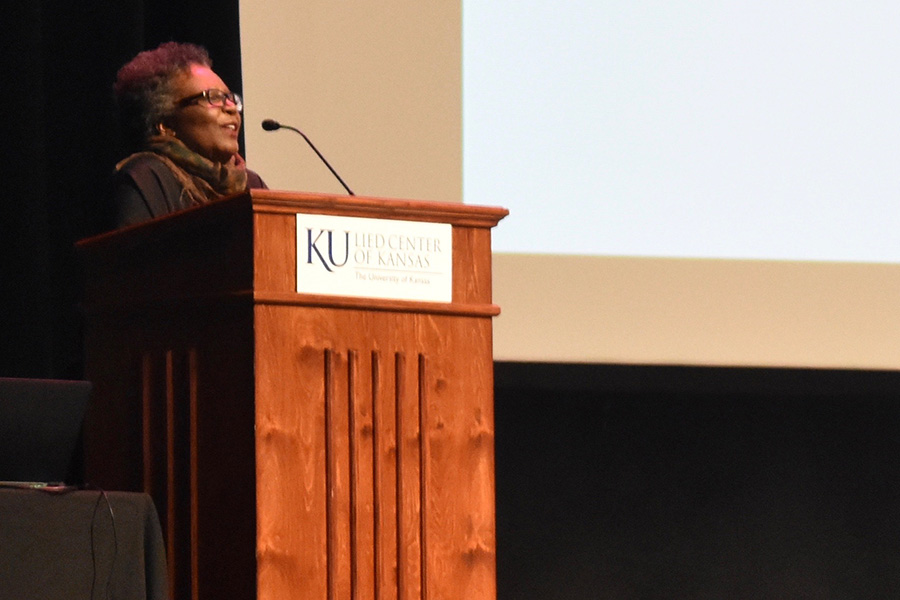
322,248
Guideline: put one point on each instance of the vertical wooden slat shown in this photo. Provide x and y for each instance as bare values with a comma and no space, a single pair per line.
378,477
353,472
408,482
146,420
157,406
378,547
168,403
192,444
330,517
360,458
423,476
400,432
338,480
363,477
387,482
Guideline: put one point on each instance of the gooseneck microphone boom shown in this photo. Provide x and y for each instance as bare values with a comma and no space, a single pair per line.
272,125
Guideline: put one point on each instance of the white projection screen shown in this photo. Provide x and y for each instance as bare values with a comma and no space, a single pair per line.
689,182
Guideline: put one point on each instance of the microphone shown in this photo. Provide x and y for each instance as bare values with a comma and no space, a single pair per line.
272,125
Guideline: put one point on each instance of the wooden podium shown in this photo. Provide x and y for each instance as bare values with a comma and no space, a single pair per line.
296,445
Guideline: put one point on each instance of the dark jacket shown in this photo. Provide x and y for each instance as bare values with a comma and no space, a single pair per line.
145,188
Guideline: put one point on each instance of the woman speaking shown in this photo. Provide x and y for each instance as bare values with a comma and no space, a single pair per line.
182,123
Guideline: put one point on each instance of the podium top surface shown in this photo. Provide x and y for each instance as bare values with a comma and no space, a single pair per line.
246,246
281,201
386,208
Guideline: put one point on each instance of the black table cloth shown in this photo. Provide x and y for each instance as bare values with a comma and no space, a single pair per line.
80,544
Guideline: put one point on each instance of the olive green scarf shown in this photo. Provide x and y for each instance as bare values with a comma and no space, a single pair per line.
203,180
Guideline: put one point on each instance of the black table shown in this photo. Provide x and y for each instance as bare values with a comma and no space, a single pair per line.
80,544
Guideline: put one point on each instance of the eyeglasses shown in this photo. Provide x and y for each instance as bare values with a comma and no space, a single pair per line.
216,98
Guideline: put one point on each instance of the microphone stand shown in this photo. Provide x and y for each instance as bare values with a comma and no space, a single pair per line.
272,125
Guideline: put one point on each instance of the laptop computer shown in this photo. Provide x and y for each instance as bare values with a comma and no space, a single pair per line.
40,431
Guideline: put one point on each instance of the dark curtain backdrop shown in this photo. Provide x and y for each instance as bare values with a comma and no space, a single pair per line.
60,142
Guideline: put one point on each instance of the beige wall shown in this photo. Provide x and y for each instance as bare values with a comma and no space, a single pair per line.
377,86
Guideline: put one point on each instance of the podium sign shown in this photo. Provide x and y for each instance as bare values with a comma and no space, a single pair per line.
374,258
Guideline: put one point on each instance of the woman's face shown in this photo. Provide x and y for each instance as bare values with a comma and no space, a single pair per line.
211,131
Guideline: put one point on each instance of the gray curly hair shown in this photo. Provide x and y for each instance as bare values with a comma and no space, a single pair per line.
143,87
